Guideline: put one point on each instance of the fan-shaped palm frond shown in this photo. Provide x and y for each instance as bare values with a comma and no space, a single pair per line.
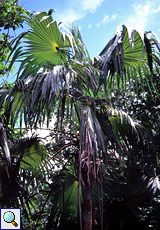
29,152
70,194
126,56
46,37
10,186
46,45
125,128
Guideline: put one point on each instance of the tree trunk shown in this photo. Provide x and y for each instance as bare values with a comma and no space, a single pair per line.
87,209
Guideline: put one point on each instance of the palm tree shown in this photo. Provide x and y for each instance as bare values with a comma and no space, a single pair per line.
57,77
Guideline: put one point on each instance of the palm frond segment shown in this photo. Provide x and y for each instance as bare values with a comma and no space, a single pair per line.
45,39
125,128
70,194
33,154
127,55
45,43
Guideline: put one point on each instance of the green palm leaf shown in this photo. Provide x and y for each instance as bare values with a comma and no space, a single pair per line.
45,40
70,194
126,53
29,152
46,44
33,154
125,128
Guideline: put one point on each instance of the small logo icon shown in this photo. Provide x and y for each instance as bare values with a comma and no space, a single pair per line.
9,217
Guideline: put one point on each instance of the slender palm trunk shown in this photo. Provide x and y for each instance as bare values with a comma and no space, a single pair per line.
87,209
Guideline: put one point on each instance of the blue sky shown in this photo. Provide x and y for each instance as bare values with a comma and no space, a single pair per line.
98,19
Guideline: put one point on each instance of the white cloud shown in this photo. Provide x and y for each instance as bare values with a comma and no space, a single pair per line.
157,10
69,16
111,18
98,25
106,19
137,8
78,9
140,18
91,5
114,17
146,9
142,10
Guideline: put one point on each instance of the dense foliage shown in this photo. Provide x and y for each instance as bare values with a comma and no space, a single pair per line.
98,165
11,17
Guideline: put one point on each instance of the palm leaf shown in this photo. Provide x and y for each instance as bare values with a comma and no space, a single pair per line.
30,152
70,194
123,54
46,44
125,128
